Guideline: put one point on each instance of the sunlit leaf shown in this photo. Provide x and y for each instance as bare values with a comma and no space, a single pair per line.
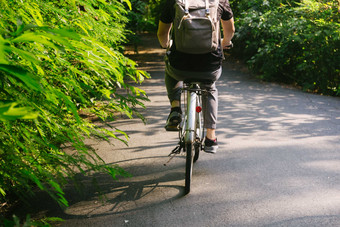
27,37
128,3
3,193
10,111
64,33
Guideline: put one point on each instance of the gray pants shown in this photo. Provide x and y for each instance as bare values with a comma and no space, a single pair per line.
173,82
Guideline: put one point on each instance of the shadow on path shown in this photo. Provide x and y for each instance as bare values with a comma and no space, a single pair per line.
277,164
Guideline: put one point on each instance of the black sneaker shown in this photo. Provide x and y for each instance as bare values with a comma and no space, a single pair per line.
210,146
173,121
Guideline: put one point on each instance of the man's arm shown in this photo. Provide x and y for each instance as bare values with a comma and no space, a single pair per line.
228,32
163,33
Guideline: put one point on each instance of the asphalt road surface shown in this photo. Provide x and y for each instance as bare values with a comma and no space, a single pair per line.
278,162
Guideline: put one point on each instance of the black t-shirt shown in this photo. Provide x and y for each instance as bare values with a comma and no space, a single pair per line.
195,62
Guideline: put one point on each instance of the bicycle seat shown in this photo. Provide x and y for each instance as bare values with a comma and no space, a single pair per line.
194,86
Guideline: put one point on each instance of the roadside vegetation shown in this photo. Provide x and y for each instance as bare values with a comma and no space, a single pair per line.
61,61
295,42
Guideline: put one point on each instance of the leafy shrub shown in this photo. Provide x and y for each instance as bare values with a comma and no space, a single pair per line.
28,222
59,59
143,17
294,43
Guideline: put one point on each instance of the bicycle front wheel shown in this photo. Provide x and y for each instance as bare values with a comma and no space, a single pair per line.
190,150
197,152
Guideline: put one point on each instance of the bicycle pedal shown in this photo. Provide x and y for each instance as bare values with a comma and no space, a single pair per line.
172,128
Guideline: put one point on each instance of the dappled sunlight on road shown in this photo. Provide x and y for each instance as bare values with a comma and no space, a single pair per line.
252,108
278,162
324,165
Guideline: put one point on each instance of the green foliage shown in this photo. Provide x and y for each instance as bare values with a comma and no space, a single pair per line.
293,42
59,59
139,17
28,222
143,16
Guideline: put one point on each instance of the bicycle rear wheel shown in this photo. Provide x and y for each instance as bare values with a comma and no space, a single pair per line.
188,166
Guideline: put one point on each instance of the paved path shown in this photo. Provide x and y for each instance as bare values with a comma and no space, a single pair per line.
278,163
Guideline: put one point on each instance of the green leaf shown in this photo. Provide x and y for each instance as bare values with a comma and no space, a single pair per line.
27,78
51,34
70,104
27,37
3,193
33,178
128,3
106,93
53,219
59,39
23,54
3,59
64,33
9,111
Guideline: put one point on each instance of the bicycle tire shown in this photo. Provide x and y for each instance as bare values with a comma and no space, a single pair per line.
197,153
188,166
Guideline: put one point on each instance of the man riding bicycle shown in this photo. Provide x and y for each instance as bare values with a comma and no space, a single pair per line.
206,67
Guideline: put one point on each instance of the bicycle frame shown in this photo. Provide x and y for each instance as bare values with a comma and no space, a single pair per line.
191,114
193,127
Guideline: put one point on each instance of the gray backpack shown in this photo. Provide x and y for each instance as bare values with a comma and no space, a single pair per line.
196,28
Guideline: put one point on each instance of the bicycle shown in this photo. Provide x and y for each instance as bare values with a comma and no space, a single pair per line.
191,131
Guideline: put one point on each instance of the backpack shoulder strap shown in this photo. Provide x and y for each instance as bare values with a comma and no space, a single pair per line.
186,6
207,7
